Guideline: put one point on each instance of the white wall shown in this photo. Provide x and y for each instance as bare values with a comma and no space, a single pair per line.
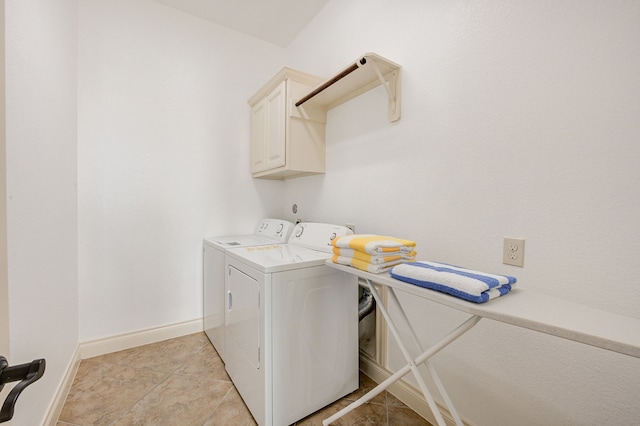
4,283
519,119
163,158
41,101
4,275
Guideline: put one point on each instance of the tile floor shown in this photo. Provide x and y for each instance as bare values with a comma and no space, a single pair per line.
182,382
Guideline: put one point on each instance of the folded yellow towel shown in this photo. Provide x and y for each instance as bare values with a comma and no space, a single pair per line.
365,266
372,258
374,244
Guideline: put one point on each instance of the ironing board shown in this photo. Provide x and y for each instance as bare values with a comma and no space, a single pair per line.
521,308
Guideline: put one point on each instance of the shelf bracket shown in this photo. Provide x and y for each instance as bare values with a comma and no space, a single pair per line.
391,86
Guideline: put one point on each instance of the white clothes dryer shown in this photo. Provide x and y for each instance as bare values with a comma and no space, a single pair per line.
291,326
269,231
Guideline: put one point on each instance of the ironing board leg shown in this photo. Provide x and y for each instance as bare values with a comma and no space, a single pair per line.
430,369
407,356
412,365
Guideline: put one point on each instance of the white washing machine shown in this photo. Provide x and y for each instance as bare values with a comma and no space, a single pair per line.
270,231
291,326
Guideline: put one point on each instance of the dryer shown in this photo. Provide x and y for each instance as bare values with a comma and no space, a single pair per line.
269,231
291,326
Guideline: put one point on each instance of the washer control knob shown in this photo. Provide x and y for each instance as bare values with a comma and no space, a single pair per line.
299,231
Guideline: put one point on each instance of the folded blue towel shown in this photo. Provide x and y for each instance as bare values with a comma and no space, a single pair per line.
464,283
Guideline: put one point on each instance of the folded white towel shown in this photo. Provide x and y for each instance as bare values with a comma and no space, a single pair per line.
372,258
464,283
365,266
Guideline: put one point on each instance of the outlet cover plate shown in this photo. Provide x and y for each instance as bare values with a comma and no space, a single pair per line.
513,251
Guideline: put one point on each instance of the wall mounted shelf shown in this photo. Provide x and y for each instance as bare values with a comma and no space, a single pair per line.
368,72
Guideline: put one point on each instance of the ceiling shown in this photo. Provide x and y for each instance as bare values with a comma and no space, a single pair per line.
275,21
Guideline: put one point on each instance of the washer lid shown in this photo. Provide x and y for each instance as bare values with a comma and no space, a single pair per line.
278,257
269,231
231,241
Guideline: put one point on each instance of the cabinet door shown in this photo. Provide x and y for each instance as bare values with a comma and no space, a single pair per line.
258,137
275,144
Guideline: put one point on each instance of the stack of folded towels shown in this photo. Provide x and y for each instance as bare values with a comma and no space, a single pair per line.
372,253
474,286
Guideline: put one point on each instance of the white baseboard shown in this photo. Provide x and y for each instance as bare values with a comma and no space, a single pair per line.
138,338
55,409
406,393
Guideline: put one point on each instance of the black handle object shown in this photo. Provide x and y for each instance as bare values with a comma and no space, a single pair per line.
26,373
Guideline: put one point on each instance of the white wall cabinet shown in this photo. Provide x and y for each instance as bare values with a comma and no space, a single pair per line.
286,141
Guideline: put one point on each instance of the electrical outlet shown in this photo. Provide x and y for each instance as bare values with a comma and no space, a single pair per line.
513,251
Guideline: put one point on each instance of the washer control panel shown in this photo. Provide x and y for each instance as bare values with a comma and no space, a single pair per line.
275,228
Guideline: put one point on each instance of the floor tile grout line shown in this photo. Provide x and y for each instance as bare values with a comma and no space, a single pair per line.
386,406
103,378
218,404
168,375
166,379
141,398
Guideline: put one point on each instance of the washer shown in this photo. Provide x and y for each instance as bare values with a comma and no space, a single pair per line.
269,231
291,326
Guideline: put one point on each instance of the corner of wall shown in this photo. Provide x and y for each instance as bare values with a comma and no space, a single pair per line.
57,403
